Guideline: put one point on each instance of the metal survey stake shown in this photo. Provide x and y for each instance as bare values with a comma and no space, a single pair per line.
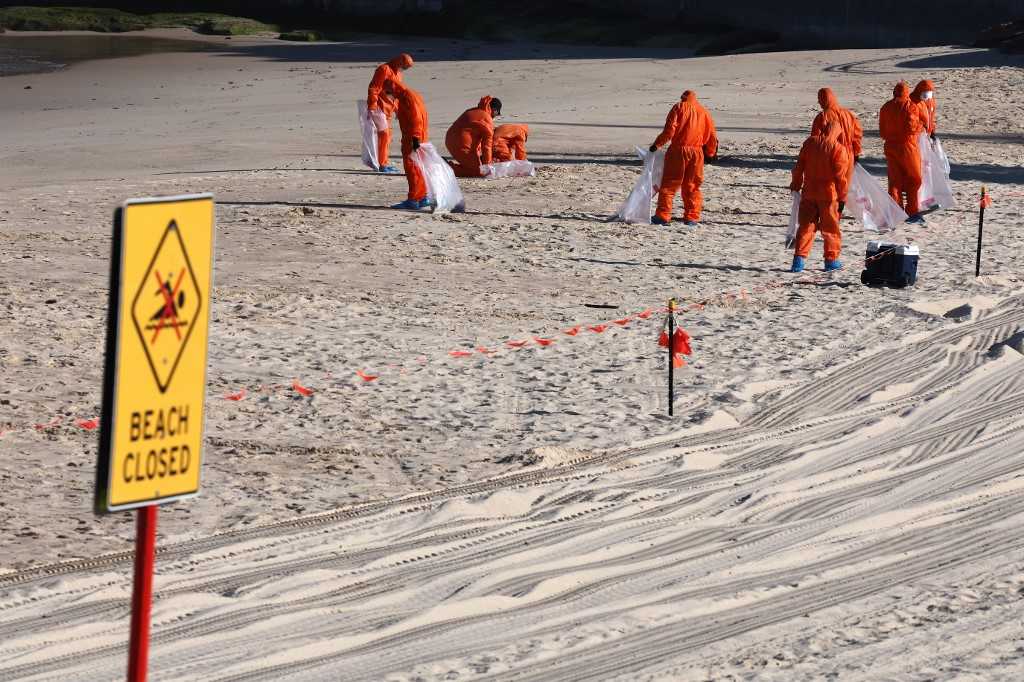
981,227
671,354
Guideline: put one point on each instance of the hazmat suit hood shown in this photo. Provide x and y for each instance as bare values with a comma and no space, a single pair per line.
921,88
402,61
485,103
901,91
832,132
689,96
827,99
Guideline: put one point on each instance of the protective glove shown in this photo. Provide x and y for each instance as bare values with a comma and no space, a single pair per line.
654,148
415,143
842,205
711,159
932,136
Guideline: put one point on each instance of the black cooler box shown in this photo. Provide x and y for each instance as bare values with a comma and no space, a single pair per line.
895,267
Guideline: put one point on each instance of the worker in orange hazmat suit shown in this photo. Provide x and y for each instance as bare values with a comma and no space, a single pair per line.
924,96
510,142
414,124
385,73
852,132
470,139
820,177
690,132
387,105
900,122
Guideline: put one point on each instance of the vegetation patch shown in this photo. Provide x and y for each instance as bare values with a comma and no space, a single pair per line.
105,20
301,36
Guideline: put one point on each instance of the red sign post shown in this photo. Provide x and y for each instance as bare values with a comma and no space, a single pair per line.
142,592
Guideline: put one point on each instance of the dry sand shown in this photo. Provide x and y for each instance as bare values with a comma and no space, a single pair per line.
838,492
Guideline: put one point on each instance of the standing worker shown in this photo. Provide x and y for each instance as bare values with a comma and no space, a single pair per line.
375,102
924,97
470,139
900,122
820,177
692,134
413,122
510,142
849,124
387,106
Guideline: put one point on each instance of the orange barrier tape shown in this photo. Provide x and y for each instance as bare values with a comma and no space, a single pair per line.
89,424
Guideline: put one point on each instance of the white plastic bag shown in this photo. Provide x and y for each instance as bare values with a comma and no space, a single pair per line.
442,187
657,170
935,189
369,132
872,205
794,220
380,121
508,169
637,207
941,153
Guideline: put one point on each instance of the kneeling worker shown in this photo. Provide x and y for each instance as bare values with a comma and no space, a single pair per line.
820,177
510,142
470,139
412,120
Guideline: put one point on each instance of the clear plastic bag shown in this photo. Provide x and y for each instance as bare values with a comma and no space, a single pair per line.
637,207
794,220
872,205
508,169
941,153
657,170
369,133
380,121
442,187
935,189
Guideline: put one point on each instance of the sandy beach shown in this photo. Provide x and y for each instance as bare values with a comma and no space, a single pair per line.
838,492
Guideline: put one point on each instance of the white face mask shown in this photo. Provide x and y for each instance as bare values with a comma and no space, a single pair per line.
927,95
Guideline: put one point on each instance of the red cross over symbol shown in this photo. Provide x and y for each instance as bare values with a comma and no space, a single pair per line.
169,312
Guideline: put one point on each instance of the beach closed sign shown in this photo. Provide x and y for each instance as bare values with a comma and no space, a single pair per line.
155,373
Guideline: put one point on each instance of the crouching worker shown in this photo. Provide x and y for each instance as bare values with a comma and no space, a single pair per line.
412,120
692,134
470,139
820,177
510,142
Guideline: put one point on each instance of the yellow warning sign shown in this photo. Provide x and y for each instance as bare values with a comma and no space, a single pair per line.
155,376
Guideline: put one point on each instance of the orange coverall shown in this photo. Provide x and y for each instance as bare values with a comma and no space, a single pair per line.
852,133
390,71
510,142
820,177
692,133
927,106
471,138
376,98
900,122
413,122
388,105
